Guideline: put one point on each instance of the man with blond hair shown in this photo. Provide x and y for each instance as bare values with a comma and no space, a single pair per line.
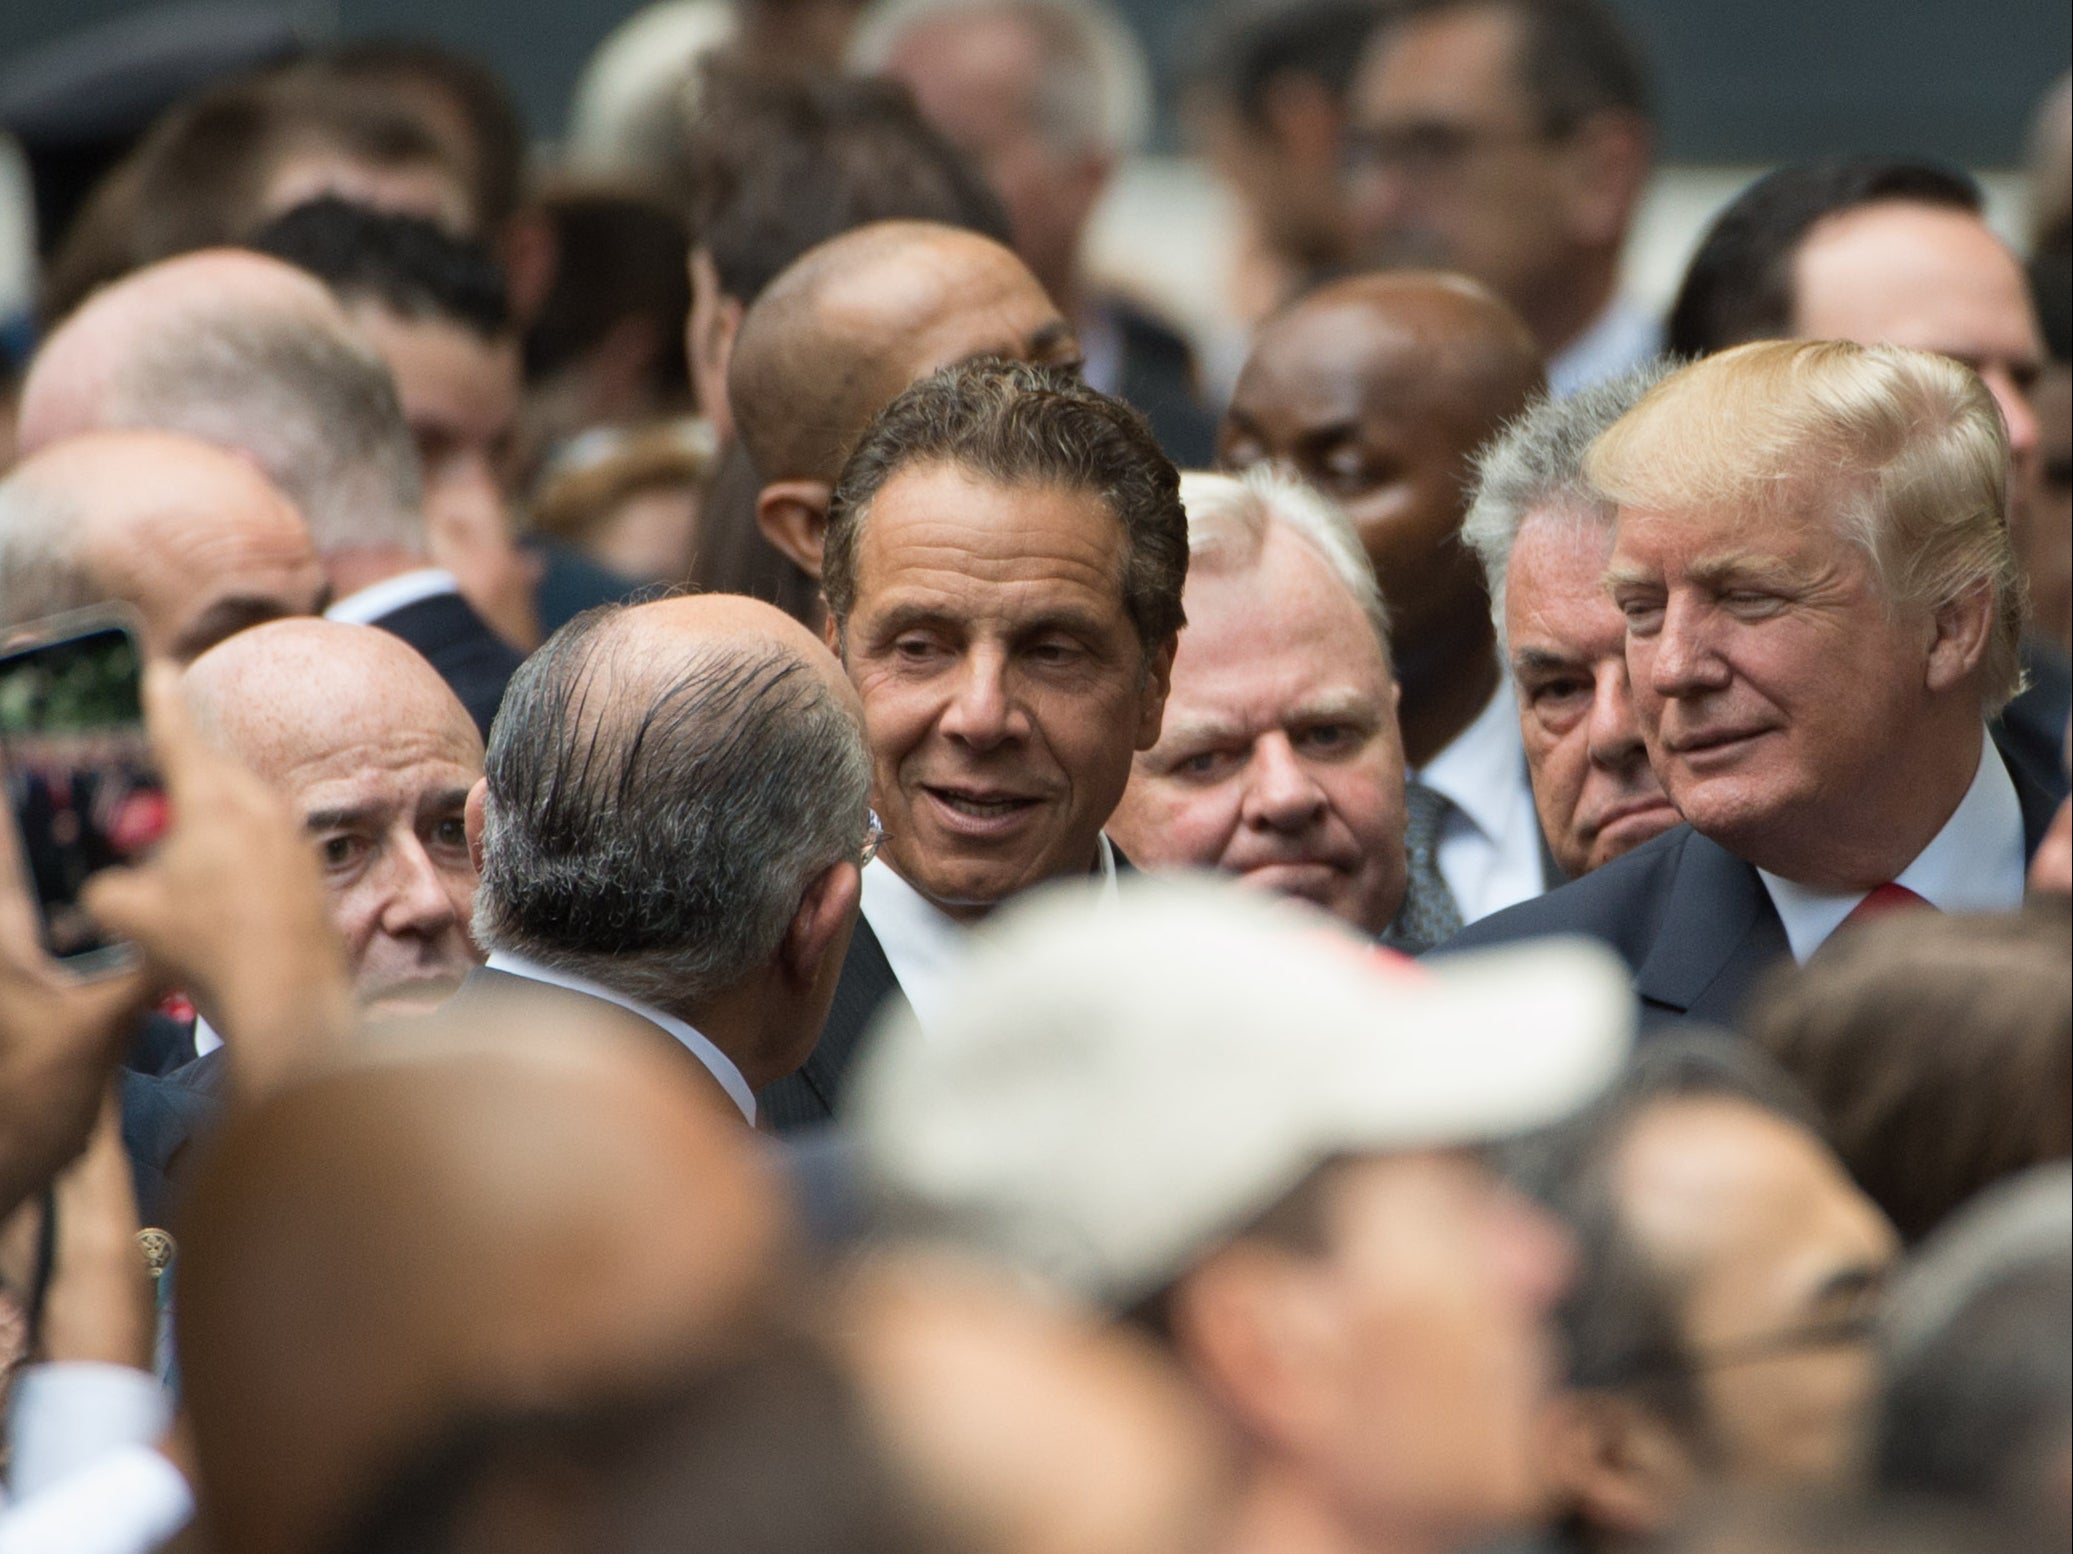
1822,608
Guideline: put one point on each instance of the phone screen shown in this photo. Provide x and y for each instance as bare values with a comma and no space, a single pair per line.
81,784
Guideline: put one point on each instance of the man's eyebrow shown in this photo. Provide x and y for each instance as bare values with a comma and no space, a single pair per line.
1052,335
1346,704
1535,660
341,818
1627,575
444,798
1737,566
224,619
1848,1283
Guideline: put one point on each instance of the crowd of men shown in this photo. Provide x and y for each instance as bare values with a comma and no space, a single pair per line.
1460,944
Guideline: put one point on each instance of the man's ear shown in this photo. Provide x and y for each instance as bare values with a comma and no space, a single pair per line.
818,934
474,815
1964,627
1616,1464
793,515
1158,685
709,332
1605,170
1253,1332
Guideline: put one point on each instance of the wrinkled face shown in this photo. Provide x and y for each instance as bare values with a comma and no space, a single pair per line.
385,815
1778,693
1779,1260
197,577
1447,166
1346,400
1938,280
460,394
978,78
2044,534
1428,1317
1004,687
1279,759
1592,784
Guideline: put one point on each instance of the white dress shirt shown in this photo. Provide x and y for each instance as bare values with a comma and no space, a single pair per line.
716,1062
1490,851
924,944
1623,337
377,600
1975,863
85,1476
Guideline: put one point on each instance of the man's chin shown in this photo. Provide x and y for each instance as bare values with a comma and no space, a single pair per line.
405,1000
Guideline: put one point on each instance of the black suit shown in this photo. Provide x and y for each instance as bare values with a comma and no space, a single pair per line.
867,986
1156,373
2031,730
1693,922
457,642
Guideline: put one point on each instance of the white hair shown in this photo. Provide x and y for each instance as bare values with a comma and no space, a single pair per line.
638,83
1536,466
1097,88
1230,517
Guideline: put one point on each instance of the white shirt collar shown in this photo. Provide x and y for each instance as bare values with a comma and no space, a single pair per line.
924,944
1974,864
717,1063
1480,772
367,605
1622,337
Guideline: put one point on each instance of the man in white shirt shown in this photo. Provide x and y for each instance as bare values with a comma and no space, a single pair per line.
253,355
1003,568
1379,390
1822,608
671,822
1511,140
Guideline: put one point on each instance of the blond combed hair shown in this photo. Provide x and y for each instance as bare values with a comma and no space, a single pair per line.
1905,449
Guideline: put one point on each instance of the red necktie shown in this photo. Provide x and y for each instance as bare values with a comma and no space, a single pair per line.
1884,899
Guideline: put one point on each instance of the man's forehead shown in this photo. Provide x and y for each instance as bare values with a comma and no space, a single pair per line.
400,778
1463,56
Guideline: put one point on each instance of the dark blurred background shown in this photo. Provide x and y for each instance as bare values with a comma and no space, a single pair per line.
1743,81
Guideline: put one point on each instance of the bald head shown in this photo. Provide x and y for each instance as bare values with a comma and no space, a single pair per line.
674,805
1027,1430
194,539
250,354
1379,390
836,337
457,1220
376,755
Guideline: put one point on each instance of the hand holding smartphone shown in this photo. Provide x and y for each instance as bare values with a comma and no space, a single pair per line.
82,787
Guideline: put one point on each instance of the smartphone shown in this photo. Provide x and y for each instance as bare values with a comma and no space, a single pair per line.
81,785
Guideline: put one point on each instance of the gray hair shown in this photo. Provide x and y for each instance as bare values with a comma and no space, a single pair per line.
313,406
661,848
1230,516
1536,465
41,569
1978,1349
1096,92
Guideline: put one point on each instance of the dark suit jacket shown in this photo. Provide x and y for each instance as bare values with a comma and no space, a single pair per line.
1692,921
2031,730
457,642
1159,378
161,1115
866,987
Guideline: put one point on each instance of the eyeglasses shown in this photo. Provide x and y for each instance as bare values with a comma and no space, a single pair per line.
874,838
1426,153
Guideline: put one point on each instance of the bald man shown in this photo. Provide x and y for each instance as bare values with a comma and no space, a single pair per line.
522,1214
1022,1427
193,539
255,356
836,337
673,821
376,755
1379,390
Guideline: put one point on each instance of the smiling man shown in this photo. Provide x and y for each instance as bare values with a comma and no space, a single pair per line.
1279,762
1005,556
1812,558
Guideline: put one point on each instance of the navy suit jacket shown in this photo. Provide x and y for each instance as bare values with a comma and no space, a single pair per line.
867,987
457,642
1692,921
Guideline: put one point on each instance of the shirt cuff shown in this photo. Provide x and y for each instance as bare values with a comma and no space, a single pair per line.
128,1502
68,1414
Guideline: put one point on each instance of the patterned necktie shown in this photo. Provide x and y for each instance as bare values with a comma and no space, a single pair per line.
1429,914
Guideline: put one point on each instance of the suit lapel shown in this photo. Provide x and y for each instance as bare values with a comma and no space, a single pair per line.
1719,932
867,985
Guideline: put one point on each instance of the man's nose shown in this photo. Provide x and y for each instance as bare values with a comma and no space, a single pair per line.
982,711
1613,732
418,902
1281,794
1681,657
